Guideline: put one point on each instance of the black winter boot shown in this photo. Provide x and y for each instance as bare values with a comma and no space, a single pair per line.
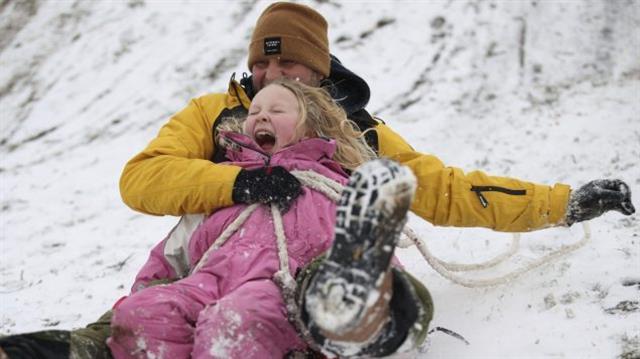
369,219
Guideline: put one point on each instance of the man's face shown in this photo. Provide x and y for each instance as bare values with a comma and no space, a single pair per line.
266,71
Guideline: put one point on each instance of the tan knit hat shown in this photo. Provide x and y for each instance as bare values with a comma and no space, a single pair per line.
293,32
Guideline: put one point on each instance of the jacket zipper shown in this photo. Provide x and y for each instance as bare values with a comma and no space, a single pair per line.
483,201
265,154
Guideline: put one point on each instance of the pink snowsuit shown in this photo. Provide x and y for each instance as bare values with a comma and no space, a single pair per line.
231,308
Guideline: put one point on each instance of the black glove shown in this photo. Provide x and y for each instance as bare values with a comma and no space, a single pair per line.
597,197
266,185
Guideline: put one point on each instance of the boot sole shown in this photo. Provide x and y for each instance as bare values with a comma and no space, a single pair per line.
369,219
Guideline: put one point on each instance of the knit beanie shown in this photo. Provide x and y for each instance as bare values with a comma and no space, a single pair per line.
293,32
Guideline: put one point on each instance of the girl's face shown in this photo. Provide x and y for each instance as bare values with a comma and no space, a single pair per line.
273,118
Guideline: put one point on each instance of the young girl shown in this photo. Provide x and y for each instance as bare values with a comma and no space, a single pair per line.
230,306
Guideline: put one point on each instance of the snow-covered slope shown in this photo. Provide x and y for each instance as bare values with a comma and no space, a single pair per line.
547,91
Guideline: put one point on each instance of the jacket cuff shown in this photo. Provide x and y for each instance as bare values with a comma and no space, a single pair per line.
558,201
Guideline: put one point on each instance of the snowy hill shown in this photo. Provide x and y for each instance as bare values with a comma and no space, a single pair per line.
547,91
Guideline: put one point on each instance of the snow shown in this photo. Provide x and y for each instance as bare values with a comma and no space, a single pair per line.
222,343
547,91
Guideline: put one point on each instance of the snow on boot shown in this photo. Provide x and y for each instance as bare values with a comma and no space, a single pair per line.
369,219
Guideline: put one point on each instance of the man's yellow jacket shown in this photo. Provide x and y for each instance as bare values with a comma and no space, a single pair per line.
177,174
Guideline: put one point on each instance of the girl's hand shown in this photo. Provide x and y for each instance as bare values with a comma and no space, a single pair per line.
267,185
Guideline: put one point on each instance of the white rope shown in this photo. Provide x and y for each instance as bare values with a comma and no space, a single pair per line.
228,232
332,190
460,267
320,183
445,269
281,238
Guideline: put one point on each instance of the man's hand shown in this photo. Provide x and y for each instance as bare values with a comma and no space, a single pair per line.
597,197
266,185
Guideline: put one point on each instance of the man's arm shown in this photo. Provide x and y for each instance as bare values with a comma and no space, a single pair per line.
446,196
173,174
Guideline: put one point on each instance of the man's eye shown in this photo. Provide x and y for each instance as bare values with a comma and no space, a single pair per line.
260,64
287,63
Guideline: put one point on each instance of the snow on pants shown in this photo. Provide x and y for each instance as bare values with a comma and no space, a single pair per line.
187,319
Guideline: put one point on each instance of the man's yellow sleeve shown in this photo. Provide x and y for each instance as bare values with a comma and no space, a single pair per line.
173,174
446,196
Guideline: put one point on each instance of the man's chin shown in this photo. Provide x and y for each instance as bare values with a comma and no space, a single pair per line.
310,82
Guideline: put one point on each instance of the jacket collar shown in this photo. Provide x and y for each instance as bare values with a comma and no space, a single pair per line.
348,89
239,91
241,148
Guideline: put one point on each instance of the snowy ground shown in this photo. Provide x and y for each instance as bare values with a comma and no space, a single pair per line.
547,91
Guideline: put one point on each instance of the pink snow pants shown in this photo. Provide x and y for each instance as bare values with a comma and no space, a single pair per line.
191,319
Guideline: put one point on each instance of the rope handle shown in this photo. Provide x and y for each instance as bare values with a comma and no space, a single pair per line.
446,269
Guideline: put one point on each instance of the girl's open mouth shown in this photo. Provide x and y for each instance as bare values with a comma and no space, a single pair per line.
265,139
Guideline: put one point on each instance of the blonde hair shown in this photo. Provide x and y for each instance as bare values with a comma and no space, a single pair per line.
320,116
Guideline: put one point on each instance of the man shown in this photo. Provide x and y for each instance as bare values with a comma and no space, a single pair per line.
178,174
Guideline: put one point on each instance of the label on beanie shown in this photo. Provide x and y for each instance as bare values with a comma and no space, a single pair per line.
272,45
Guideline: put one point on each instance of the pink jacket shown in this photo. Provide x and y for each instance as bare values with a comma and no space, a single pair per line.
251,252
